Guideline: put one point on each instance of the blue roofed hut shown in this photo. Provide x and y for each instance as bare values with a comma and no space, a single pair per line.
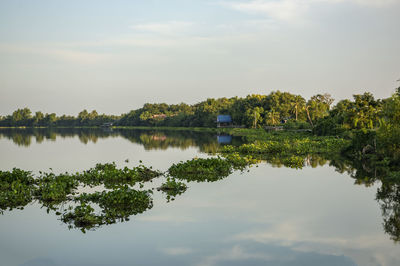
224,121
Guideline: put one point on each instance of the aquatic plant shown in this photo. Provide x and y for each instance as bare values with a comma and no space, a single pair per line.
53,189
240,162
287,146
111,177
172,188
294,162
200,170
116,205
82,216
16,189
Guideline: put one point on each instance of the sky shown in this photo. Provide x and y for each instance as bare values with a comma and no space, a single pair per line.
114,56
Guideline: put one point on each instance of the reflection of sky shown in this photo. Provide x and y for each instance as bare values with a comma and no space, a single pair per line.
269,216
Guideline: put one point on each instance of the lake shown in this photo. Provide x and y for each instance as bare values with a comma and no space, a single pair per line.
268,216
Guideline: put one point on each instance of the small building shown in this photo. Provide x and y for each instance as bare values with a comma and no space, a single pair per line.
224,121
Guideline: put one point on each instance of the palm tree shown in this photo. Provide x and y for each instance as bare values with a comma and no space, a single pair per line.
308,114
273,117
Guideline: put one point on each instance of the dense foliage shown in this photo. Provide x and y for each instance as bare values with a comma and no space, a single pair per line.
25,118
251,111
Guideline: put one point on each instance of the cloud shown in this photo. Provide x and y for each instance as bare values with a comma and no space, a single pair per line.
233,254
294,10
176,251
285,10
291,234
374,248
164,28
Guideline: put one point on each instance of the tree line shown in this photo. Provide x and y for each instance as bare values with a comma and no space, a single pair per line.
364,111
252,111
25,118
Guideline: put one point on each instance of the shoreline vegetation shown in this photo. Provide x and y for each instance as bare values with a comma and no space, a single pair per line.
253,111
372,124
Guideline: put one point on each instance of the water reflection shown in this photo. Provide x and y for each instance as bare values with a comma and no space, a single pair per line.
224,139
18,188
276,241
150,139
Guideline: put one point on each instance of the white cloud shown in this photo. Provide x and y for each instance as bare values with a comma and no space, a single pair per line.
165,28
294,10
235,253
372,249
285,10
176,251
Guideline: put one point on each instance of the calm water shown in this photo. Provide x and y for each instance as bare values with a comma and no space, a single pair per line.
268,216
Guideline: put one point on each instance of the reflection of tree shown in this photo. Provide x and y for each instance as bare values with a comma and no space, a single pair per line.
388,196
314,160
86,137
368,172
39,138
150,139
21,139
365,172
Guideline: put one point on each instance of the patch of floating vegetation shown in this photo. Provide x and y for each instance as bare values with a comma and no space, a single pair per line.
111,177
240,162
285,150
116,205
116,202
201,170
16,189
51,189
290,146
172,188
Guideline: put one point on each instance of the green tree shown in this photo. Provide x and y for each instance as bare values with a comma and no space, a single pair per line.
50,119
318,107
389,133
272,117
21,117
37,119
